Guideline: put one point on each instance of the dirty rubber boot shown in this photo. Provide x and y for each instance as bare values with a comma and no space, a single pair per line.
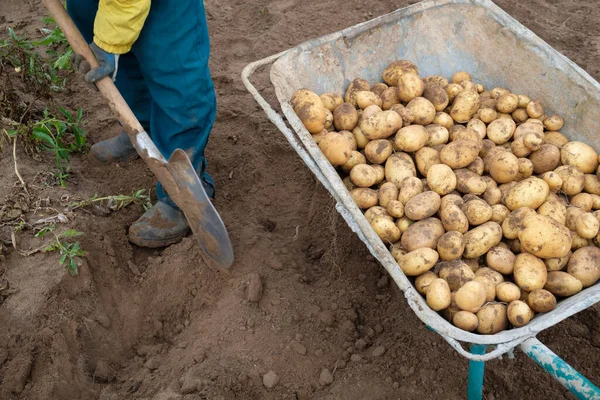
118,148
160,226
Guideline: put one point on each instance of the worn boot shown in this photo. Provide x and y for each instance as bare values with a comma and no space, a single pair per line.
160,226
118,148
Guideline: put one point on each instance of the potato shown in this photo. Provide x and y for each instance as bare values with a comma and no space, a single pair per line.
461,76
379,88
313,114
366,98
409,188
465,105
467,321
504,167
468,182
573,179
583,201
359,138
554,123
386,229
533,140
489,286
557,264
499,213
507,103
553,180
348,183
443,119
579,155
535,109
411,138
380,125
453,219
337,147
555,138
389,97
410,86
398,167
519,149
422,109
507,292
541,301
302,96
438,295
587,226
422,206
476,166
478,126
487,103
492,318
450,246
441,179
357,85
519,115
377,151
377,211
546,159
452,198
345,117
471,296
554,209
563,284
418,261
591,184
501,260
488,115
368,111
595,203
423,233
423,281
544,237
459,154
426,158
364,198
317,137
495,277
519,313
531,192
438,80
573,213
477,211
584,265
331,100
437,95
394,208
482,238
529,272
492,196
499,91
387,192
437,134
396,69
456,273
363,176
355,159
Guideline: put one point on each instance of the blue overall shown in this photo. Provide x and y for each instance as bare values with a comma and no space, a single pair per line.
165,78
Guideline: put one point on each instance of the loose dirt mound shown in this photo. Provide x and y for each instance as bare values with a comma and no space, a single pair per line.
304,300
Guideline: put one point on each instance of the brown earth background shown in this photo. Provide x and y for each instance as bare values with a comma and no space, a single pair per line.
162,325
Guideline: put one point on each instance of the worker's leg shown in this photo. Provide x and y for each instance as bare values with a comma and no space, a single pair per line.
173,50
130,83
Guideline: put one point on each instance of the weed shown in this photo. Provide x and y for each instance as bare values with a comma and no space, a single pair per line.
68,251
117,202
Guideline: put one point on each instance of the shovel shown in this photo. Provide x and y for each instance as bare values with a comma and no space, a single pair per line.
176,175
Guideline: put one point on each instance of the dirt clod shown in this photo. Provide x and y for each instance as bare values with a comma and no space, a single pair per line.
327,317
298,347
325,377
270,379
104,372
378,351
255,288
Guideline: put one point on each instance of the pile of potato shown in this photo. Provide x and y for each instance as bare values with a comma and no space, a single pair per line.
476,191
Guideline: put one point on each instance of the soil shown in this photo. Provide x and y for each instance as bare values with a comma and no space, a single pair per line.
305,312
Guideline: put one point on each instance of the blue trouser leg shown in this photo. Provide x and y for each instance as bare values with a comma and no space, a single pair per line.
130,80
173,50
165,79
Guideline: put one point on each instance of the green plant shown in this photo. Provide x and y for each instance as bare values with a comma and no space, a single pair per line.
50,134
59,51
117,202
68,251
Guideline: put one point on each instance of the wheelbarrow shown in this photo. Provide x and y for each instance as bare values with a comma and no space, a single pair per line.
442,37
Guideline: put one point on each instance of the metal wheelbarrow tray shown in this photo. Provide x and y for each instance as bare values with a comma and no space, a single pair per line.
441,37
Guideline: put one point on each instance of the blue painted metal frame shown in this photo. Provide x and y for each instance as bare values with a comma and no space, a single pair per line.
476,371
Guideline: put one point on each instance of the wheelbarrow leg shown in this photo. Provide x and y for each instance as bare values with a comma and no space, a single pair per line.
566,375
476,370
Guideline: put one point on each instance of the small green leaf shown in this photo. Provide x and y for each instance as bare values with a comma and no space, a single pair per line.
63,259
71,233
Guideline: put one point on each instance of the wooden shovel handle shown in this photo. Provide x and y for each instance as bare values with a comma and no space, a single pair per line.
105,85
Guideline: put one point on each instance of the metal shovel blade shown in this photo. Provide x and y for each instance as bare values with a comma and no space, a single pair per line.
204,220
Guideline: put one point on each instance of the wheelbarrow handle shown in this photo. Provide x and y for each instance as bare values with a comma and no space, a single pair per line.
105,85
566,375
